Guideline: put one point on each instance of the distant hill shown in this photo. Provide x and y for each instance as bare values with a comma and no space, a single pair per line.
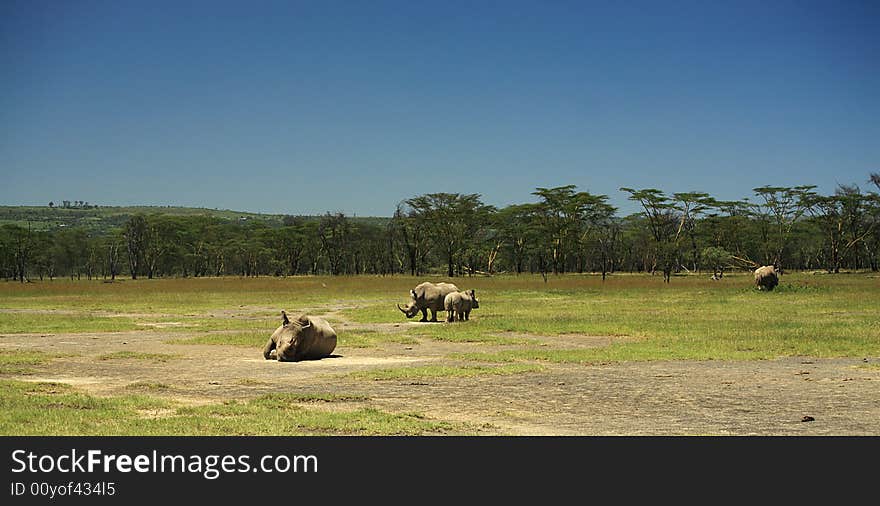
100,219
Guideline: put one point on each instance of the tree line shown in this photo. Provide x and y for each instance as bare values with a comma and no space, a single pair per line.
565,230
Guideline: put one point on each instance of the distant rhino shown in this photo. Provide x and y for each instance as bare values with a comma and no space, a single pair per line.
306,338
459,305
427,296
766,278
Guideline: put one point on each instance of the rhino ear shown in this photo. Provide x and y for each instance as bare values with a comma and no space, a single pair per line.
413,293
304,321
285,321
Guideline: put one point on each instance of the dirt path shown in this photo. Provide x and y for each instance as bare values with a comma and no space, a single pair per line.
641,398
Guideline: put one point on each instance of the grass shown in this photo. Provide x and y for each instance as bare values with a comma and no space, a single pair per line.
151,386
136,355
17,323
691,318
253,339
21,361
367,338
441,371
31,409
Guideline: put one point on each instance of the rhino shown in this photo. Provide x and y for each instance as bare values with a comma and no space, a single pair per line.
427,296
459,304
766,278
305,338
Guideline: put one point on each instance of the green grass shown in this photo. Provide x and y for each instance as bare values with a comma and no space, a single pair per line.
253,339
31,409
150,386
440,371
136,355
689,318
285,400
366,338
19,323
21,361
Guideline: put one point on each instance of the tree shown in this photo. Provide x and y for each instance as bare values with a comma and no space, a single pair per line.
690,206
334,231
603,228
717,258
664,224
517,226
558,217
135,233
845,219
454,218
410,227
780,209
20,242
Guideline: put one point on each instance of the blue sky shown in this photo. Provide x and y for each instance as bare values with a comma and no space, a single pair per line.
306,107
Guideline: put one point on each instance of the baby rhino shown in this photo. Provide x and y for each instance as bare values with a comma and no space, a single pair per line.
458,305
306,338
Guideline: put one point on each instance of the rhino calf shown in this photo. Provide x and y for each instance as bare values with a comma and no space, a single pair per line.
305,338
458,305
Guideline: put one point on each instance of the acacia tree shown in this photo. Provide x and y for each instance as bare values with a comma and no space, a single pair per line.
20,245
664,225
410,227
690,206
776,215
517,228
559,214
845,220
135,233
454,218
604,230
334,232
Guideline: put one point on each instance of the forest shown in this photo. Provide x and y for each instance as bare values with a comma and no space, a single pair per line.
452,234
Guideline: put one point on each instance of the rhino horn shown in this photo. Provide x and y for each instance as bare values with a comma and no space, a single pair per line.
401,309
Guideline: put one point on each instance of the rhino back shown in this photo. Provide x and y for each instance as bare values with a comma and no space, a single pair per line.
321,341
452,301
432,296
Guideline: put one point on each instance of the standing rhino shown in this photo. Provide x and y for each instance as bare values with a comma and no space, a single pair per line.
766,278
459,304
427,296
306,338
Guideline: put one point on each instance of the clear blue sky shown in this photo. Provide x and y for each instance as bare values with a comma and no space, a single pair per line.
306,107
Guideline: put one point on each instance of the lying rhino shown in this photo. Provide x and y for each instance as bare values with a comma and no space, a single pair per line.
459,304
306,338
427,296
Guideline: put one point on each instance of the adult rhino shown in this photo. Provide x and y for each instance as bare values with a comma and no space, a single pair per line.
427,296
459,305
766,278
306,338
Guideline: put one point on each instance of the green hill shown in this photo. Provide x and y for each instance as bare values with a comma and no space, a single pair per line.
99,219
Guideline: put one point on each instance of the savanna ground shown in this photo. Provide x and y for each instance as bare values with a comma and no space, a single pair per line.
572,356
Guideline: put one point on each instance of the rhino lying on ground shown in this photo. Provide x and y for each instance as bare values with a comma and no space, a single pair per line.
766,278
427,296
306,338
459,304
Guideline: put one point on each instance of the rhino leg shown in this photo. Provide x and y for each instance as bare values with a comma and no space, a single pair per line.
433,315
467,315
267,350
450,316
424,315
